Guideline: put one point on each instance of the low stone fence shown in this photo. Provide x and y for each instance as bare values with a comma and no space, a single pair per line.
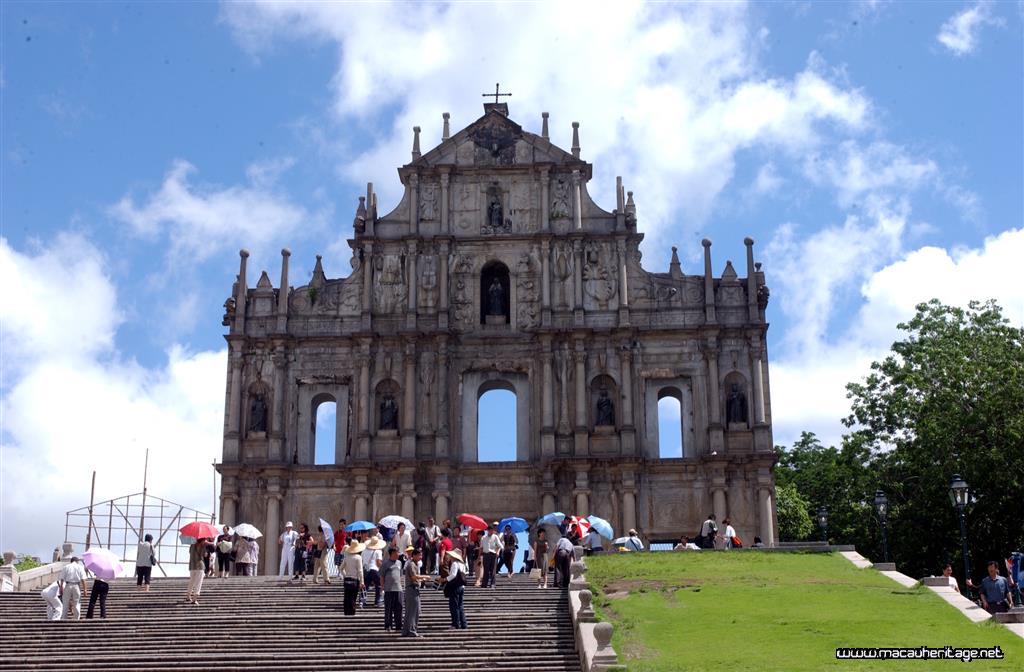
30,579
593,638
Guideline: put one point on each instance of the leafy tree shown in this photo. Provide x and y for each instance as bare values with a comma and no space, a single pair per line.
25,563
948,400
791,508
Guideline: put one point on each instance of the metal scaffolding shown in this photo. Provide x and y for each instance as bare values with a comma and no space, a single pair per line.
120,524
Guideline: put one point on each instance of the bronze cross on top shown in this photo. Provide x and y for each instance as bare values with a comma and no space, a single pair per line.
496,94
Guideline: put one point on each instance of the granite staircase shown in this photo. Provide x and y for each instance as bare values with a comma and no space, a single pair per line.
266,623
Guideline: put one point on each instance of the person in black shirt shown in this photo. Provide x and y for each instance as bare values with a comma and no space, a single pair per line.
508,554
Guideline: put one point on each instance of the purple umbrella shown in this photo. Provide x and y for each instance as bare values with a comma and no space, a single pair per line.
103,563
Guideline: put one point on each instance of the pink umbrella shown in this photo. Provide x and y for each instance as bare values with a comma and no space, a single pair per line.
103,563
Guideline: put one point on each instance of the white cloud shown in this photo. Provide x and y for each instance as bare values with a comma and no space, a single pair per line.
960,33
73,404
820,370
203,220
878,168
767,180
667,101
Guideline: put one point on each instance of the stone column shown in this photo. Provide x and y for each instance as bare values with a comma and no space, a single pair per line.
751,281
408,506
563,406
442,283
545,278
367,278
545,199
577,201
270,548
282,293
228,503
582,492
277,421
767,523
709,284
414,205
628,430
577,279
231,452
243,292
716,436
440,505
758,372
362,499
441,442
548,503
547,430
628,501
582,425
623,285
410,317
718,503
409,409
445,228
365,401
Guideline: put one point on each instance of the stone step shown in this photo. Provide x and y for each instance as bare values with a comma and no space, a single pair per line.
514,627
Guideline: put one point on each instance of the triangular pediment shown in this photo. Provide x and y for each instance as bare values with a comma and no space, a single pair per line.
494,140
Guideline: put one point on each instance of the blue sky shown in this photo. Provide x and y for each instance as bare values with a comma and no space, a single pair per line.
872,149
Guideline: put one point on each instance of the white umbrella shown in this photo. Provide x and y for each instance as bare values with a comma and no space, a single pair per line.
391,522
328,532
247,530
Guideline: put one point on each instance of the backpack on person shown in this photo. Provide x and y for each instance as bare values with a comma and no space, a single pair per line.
458,582
737,542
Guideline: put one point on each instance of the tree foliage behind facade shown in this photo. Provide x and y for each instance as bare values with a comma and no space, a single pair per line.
948,400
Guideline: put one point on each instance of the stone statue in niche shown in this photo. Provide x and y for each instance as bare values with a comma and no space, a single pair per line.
258,414
599,275
563,268
388,413
495,298
736,406
605,409
428,202
560,200
389,282
494,214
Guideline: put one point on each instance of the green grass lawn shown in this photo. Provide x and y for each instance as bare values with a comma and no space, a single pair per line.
776,611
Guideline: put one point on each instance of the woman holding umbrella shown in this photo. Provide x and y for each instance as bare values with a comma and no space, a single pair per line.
196,570
352,574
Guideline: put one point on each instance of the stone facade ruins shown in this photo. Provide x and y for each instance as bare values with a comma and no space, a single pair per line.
497,270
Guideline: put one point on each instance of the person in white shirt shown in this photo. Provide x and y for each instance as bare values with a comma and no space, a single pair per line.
708,532
352,573
72,586
947,572
373,558
287,542
145,557
54,607
563,558
592,542
402,540
634,543
490,545
730,532
455,589
430,560
686,545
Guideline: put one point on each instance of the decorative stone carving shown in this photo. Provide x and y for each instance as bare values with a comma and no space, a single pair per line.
389,291
428,202
427,376
562,269
600,278
462,304
528,294
561,200
428,280
466,207
495,143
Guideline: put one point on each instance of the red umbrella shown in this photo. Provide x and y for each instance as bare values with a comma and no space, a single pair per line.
472,522
581,524
199,529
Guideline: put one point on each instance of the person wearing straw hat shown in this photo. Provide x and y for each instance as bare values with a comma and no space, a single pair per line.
352,574
373,558
455,589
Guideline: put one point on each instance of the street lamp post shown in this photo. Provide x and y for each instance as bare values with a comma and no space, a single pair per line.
958,495
882,509
823,523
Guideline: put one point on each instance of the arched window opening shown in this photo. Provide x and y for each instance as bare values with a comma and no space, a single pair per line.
325,430
496,425
670,423
495,294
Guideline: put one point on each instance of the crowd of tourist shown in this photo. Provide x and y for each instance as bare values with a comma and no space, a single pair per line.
390,567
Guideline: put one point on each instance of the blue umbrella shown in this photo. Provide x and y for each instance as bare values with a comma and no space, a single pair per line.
602,526
517,524
555,518
360,526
